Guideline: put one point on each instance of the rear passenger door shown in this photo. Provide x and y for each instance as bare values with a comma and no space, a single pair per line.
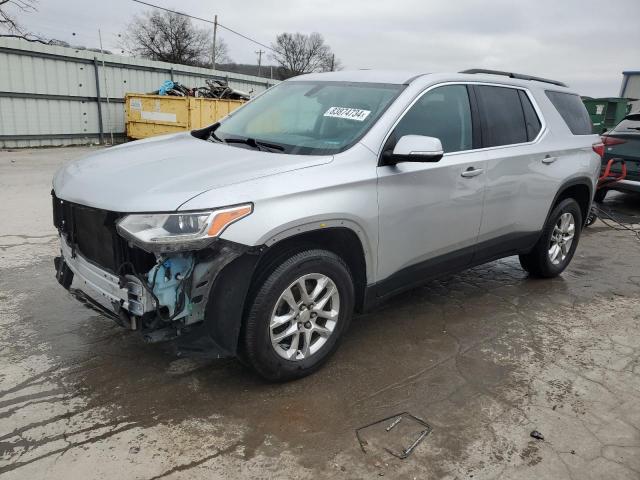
516,180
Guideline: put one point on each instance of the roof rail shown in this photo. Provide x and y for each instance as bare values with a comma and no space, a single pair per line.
519,76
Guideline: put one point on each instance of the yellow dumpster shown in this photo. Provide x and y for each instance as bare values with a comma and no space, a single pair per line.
150,115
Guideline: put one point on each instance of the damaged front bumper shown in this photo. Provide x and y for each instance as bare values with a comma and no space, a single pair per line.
103,287
173,299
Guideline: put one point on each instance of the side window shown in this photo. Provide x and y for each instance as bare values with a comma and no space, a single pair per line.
502,116
573,111
444,113
530,116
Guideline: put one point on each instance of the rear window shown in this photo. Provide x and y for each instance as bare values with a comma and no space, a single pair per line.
572,111
629,125
502,116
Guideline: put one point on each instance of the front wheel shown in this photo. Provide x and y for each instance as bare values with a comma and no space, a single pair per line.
558,241
298,314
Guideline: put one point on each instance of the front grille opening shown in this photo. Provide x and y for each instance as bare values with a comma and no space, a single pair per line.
92,232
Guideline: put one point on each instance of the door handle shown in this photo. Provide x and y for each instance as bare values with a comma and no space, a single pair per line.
549,159
472,172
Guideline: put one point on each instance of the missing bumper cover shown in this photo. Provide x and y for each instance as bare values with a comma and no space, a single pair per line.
175,295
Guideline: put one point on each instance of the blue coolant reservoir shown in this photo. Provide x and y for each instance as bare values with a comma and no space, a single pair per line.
170,279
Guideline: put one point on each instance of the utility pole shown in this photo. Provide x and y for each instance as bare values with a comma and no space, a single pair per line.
106,87
215,34
259,53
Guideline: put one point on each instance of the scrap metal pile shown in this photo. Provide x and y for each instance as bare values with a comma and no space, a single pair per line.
214,89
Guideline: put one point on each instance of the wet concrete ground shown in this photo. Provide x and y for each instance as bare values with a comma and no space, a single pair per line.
485,357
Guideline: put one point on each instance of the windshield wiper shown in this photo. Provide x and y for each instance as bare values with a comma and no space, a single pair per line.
212,133
257,144
252,142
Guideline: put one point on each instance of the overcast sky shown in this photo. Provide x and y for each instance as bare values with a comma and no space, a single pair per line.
585,43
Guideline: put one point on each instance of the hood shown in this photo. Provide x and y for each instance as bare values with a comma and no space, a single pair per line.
162,173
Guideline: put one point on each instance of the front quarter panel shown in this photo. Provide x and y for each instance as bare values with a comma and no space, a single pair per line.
341,193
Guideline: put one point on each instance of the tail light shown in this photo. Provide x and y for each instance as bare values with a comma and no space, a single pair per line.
607,141
610,141
599,149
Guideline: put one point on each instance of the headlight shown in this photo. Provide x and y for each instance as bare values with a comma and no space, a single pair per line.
170,232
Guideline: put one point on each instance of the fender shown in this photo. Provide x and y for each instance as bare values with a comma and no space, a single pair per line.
582,180
230,289
370,255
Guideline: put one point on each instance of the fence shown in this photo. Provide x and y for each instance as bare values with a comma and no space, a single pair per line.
53,95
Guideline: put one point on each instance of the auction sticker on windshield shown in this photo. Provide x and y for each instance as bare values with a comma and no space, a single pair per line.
347,113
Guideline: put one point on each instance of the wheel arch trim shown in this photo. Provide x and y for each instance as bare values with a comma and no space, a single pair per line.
572,182
368,249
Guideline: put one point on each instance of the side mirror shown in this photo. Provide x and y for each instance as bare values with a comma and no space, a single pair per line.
416,148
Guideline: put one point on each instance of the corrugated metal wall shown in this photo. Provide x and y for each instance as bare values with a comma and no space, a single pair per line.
49,95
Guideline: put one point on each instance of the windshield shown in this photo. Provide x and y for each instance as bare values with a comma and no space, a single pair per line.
308,118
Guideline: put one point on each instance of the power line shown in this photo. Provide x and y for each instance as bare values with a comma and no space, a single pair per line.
208,21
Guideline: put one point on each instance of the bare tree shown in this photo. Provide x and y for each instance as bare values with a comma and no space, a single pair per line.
9,25
297,53
221,52
170,37
8,21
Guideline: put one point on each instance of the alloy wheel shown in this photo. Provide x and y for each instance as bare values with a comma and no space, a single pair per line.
304,317
562,238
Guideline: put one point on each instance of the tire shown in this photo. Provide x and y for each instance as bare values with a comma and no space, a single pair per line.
591,218
599,196
272,351
539,262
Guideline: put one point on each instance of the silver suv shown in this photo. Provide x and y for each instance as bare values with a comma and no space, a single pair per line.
261,235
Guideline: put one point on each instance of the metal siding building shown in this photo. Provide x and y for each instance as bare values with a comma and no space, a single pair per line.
60,96
631,88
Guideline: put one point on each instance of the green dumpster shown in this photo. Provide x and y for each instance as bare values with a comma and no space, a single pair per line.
607,112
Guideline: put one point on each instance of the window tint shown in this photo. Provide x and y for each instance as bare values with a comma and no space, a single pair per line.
573,111
530,116
443,113
502,115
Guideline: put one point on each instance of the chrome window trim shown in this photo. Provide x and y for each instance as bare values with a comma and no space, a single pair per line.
534,103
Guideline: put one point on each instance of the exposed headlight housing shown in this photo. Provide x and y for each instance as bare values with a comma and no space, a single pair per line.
172,232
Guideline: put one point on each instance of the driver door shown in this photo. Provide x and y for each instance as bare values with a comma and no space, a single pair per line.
430,213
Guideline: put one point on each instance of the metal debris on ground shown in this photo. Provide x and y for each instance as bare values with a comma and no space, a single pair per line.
398,434
606,216
537,435
214,89
395,422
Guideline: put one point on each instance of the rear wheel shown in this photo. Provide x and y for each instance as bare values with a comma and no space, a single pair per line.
298,314
558,242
